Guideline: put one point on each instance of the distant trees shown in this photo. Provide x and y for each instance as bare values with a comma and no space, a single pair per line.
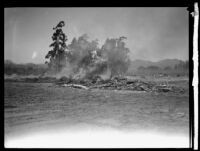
141,68
167,68
154,68
24,69
184,65
181,68
148,68
57,56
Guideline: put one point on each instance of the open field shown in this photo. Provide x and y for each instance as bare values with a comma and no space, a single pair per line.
32,107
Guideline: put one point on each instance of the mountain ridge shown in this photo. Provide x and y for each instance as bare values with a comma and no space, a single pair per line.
135,64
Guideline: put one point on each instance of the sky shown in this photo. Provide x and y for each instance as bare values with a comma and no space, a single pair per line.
153,33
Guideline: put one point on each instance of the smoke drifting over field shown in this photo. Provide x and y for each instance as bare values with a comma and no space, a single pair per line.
85,59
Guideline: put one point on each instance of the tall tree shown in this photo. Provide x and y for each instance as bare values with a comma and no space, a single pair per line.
117,56
57,56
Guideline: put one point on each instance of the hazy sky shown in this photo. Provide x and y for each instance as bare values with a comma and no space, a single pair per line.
153,33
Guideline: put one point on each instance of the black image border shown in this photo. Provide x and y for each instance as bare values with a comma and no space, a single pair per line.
188,4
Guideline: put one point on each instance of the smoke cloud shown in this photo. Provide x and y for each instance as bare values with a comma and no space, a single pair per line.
86,59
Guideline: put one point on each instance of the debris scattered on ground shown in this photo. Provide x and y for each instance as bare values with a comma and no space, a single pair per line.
75,86
118,83
96,82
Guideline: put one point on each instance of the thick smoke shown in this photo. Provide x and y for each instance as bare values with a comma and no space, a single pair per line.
86,60
116,55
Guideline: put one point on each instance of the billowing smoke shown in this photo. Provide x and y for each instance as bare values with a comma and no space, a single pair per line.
85,59
116,56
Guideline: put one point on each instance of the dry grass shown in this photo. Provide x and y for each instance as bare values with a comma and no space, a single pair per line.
33,105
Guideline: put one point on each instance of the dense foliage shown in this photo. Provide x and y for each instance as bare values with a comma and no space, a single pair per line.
56,56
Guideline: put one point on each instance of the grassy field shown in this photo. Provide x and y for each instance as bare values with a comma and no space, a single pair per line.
31,107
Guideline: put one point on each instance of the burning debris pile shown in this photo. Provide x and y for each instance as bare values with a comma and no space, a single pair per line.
117,83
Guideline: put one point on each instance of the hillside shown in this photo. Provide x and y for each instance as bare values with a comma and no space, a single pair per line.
24,69
162,63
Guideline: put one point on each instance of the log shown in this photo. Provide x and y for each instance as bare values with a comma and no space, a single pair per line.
164,89
76,86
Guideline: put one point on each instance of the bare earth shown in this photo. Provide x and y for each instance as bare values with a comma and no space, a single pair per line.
30,107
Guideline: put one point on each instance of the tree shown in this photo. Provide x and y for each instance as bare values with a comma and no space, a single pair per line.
167,68
117,57
153,68
57,56
141,68
82,53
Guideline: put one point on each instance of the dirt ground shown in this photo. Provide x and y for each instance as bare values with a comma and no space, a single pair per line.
29,107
